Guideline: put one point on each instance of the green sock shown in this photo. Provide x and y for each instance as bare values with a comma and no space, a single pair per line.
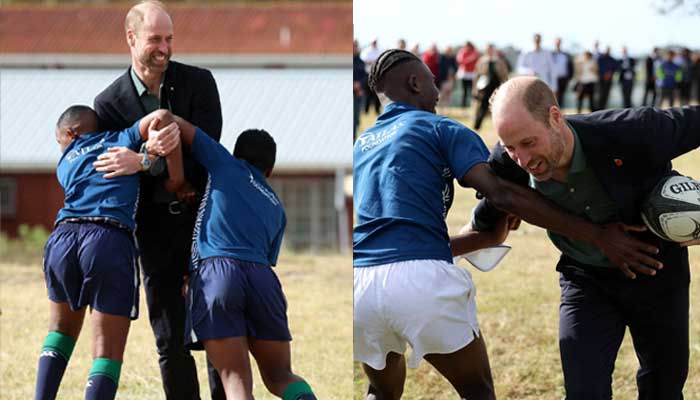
108,367
53,360
298,391
60,343
103,380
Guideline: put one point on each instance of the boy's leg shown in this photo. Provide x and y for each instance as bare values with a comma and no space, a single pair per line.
387,384
64,329
467,369
109,333
274,360
230,358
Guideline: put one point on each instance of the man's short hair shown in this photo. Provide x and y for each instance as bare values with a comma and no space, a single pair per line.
536,96
134,18
257,147
78,115
386,61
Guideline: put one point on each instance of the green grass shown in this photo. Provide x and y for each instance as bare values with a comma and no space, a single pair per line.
518,305
318,291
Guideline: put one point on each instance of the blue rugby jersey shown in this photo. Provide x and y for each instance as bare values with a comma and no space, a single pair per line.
404,171
87,192
240,215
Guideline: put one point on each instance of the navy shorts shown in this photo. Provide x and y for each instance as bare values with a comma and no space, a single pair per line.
93,264
232,298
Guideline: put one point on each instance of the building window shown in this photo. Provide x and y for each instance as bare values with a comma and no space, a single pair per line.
312,222
8,197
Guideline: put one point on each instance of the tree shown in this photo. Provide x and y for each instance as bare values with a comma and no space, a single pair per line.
665,7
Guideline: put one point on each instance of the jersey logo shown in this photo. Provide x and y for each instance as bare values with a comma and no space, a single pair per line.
370,140
75,153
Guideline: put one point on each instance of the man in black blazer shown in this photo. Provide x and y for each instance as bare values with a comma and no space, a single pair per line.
600,166
165,225
628,72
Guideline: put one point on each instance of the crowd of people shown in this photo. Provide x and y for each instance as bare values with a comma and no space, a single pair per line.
467,75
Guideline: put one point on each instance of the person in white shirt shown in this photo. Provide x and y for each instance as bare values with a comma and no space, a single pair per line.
539,63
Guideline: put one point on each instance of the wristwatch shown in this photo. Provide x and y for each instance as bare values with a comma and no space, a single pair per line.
145,161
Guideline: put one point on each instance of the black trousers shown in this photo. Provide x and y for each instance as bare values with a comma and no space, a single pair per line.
562,85
485,95
466,92
626,86
603,94
583,91
164,243
650,88
596,309
370,99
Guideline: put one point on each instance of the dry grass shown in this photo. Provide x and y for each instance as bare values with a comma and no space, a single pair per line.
519,311
318,290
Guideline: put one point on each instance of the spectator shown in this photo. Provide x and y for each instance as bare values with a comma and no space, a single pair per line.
467,57
401,44
431,58
607,66
491,71
650,65
448,68
538,62
668,74
359,80
586,76
563,70
695,73
627,75
685,63
369,56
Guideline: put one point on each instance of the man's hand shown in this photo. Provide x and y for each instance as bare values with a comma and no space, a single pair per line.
626,252
187,194
118,161
162,142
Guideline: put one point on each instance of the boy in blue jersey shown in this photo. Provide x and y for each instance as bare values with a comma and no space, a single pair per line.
234,301
90,258
406,289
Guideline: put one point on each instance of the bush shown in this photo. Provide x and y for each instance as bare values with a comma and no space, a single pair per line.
27,248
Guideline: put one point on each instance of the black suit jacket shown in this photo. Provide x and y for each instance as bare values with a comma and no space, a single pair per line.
629,150
188,91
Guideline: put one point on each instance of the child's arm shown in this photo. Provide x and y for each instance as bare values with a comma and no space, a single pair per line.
468,240
162,120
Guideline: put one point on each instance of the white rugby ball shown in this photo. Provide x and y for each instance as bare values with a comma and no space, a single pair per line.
672,209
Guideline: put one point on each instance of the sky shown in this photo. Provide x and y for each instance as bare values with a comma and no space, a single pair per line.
615,23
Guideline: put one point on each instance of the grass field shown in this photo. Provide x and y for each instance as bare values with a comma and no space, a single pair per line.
319,294
518,307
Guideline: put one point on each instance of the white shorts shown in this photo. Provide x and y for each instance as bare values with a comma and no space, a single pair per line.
428,304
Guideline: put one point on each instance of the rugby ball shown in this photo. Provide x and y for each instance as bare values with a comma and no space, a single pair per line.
672,209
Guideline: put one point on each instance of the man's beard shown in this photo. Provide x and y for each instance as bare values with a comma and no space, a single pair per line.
149,61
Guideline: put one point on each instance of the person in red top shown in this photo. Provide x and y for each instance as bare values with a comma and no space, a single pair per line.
431,58
466,63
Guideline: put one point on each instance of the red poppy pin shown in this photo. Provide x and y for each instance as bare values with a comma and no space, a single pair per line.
618,162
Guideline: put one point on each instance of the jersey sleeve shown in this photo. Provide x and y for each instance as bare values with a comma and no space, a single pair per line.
132,137
461,146
208,151
277,242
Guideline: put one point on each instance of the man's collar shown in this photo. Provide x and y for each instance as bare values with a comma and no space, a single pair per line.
141,87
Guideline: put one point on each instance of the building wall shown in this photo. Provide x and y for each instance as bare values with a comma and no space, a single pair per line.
312,219
29,198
